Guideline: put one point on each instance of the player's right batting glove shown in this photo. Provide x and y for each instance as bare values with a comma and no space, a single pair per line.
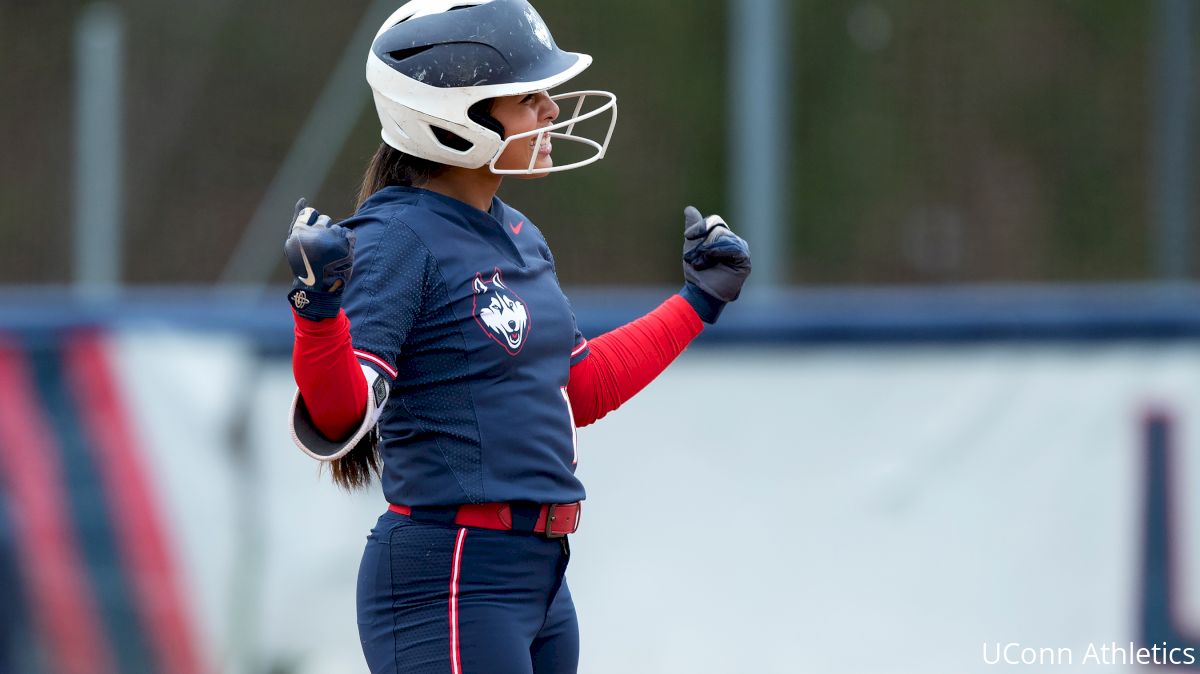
716,263
321,257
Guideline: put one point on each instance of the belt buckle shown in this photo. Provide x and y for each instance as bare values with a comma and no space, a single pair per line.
549,532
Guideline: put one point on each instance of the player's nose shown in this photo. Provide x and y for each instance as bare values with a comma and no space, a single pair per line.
549,108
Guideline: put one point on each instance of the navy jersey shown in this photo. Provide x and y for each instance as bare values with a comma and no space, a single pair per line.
461,310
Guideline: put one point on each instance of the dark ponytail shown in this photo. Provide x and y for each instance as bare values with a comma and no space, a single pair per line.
354,470
389,166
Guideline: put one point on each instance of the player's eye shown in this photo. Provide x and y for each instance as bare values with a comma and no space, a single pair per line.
528,98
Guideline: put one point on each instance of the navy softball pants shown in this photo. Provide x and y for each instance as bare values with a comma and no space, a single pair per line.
445,599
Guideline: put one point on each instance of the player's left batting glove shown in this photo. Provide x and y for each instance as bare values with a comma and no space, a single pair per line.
321,257
716,263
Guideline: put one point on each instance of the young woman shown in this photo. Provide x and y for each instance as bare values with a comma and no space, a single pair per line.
449,363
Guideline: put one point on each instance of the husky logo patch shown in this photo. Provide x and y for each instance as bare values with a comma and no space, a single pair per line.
501,313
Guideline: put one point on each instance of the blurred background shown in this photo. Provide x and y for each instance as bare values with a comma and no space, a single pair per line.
953,410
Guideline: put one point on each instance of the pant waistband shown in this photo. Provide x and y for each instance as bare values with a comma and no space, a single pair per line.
553,520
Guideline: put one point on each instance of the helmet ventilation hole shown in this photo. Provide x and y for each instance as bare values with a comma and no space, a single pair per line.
451,139
401,54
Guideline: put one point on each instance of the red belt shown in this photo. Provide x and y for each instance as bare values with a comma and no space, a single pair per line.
554,520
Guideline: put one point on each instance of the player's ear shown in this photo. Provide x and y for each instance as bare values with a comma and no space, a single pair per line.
480,286
496,280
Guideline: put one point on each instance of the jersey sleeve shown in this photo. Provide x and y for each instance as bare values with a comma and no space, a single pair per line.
581,344
386,292
579,349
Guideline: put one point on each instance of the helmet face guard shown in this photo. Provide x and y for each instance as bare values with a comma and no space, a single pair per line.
568,134
433,59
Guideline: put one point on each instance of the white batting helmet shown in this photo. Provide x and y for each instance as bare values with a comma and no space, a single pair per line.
432,61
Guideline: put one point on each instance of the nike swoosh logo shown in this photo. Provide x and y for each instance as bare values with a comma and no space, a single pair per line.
311,278
516,229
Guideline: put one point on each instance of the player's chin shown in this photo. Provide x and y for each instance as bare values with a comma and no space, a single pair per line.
543,165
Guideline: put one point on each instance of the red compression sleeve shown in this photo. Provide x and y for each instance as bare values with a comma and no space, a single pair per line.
622,362
330,379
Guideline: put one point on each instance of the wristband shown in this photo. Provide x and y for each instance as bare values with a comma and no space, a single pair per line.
707,307
315,305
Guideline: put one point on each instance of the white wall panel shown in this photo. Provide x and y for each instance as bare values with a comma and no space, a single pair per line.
881,509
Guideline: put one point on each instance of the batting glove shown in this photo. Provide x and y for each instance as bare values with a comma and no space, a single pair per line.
716,263
321,257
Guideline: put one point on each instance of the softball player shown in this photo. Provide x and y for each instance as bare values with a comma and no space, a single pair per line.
449,363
